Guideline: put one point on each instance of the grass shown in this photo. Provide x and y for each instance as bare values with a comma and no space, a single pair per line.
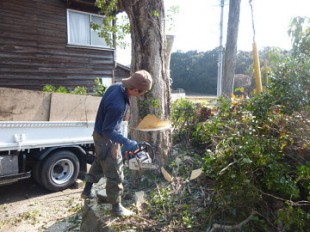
209,101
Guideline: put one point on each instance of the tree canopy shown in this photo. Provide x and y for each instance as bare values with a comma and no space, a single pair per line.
196,72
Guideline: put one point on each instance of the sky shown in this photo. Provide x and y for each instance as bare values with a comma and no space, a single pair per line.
197,25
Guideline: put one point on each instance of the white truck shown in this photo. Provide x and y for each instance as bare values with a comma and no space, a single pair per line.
47,136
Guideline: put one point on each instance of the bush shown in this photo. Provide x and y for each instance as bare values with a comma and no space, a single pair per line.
259,158
99,89
49,88
257,152
185,117
80,90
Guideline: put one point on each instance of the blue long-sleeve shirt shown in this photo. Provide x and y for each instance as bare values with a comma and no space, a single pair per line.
111,112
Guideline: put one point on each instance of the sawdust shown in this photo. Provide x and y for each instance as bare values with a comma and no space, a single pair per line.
152,122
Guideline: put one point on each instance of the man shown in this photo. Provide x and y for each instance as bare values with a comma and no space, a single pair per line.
108,138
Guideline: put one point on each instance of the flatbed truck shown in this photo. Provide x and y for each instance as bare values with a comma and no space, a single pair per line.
54,152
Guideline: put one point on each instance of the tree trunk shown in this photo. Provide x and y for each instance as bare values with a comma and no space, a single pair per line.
231,47
149,53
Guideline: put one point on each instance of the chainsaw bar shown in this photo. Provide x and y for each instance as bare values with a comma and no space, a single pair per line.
135,165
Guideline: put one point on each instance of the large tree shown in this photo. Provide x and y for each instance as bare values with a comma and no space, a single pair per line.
231,47
149,52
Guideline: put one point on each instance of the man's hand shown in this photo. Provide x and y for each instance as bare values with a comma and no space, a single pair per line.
131,146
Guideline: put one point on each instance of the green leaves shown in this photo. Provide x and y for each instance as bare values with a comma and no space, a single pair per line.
256,150
115,28
144,105
299,31
186,116
82,90
250,151
98,90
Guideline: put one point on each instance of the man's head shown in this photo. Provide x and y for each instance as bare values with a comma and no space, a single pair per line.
140,81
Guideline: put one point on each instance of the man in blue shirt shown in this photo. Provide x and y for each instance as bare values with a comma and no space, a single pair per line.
108,138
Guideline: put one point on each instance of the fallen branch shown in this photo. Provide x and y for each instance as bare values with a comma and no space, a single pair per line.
232,227
144,219
110,223
298,203
230,164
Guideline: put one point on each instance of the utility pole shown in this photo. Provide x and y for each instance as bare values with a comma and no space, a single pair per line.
220,57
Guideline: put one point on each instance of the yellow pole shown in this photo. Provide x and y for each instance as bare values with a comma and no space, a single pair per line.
257,73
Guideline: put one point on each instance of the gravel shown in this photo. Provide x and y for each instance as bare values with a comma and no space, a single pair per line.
27,207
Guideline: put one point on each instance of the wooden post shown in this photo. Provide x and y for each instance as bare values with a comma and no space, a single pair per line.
257,73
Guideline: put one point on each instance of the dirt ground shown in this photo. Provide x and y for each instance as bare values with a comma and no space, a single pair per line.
27,207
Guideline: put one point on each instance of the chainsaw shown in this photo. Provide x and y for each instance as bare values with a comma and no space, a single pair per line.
142,159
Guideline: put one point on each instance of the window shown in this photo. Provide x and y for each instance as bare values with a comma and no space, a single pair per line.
80,31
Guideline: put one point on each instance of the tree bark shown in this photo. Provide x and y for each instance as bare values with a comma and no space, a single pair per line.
149,53
231,47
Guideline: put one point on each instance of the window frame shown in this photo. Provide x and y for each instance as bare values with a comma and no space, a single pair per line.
69,43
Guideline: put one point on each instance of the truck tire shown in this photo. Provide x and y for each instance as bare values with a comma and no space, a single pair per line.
36,172
59,170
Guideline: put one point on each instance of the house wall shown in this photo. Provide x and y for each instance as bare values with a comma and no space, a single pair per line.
34,50
121,72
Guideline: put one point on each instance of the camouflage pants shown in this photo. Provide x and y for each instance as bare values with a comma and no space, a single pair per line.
108,163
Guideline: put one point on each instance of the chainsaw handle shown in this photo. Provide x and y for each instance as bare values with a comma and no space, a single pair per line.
146,146
142,146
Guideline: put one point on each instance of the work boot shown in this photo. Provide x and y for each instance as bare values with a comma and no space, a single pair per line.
119,210
87,193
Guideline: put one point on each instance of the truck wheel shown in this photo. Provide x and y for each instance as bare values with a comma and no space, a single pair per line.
59,170
36,172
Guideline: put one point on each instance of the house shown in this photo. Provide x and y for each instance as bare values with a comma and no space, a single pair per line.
121,71
51,42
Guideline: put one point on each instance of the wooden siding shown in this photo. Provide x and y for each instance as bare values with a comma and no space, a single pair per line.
34,50
121,72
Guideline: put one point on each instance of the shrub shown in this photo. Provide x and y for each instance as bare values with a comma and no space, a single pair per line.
49,88
258,159
185,117
80,90
99,89
62,89
257,152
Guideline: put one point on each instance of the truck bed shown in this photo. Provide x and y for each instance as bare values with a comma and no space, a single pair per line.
22,135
